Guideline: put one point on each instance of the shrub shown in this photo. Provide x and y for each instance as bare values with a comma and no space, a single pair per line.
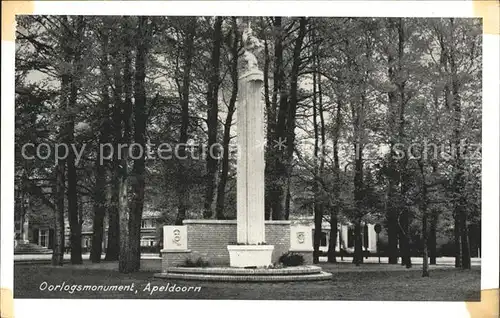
198,263
291,259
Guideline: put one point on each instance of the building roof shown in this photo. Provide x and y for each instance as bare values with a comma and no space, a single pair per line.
149,213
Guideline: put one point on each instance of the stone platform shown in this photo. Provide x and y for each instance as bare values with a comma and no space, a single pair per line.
30,248
231,274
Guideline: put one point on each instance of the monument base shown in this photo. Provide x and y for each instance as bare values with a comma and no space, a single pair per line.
170,258
250,255
232,274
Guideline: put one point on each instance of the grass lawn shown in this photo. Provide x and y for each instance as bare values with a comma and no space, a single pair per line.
367,282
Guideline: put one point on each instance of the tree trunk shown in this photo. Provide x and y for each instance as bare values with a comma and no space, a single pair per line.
444,64
397,224
404,242
126,260
466,262
358,244
279,161
60,187
425,267
432,237
137,177
392,206
72,194
74,222
392,227
404,238
212,121
459,171
457,242
113,242
335,210
100,169
59,239
460,201
332,242
358,185
358,197
434,216
99,212
392,219
318,211
318,218
270,129
288,198
221,190
275,116
358,117
423,207
182,186
292,112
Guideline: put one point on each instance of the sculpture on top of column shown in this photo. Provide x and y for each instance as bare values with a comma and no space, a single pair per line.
252,45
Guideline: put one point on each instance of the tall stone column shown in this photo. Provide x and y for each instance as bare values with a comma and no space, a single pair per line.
250,250
250,166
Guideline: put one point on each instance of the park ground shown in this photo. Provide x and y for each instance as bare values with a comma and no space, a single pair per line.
370,281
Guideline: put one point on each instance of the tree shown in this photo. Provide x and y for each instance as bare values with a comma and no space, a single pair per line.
120,125
104,134
127,263
130,233
358,107
221,189
318,167
71,44
212,119
183,89
282,117
335,210
457,77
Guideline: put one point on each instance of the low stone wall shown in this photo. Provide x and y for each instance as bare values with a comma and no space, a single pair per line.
278,234
208,239
173,258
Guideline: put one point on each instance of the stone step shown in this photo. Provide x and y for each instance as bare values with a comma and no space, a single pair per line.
31,248
295,270
247,278
32,252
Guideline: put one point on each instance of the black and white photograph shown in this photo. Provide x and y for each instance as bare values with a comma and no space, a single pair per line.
248,157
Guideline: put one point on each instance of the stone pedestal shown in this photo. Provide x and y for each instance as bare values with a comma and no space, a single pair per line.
250,255
301,242
250,175
175,250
